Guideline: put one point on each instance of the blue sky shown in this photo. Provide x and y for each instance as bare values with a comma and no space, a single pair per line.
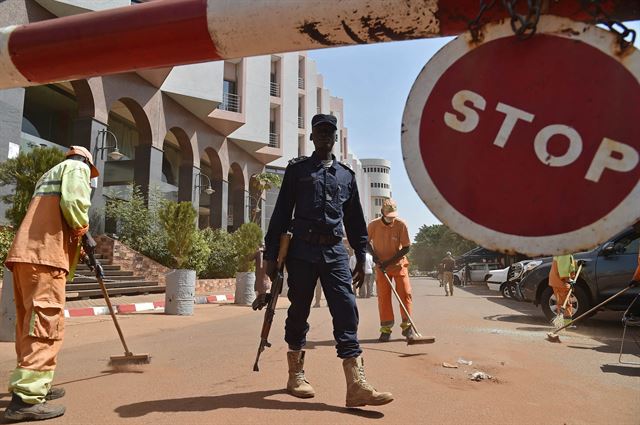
374,81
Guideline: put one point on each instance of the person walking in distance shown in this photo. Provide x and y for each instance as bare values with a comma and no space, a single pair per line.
324,195
366,290
318,294
43,256
563,270
448,263
467,275
389,238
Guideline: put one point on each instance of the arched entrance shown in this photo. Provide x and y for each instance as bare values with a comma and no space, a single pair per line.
177,166
49,115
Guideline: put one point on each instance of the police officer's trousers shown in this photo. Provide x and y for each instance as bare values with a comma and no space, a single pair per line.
336,284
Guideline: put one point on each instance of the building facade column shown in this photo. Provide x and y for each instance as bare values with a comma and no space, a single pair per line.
11,110
147,171
187,190
86,133
218,207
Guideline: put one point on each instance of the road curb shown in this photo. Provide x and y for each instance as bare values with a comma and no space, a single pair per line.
147,306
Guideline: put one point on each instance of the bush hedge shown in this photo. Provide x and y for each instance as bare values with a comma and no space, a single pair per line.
161,232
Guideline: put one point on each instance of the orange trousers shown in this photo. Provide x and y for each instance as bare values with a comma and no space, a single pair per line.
561,294
39,298
403,287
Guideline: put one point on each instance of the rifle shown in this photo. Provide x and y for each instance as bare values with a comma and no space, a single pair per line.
276,289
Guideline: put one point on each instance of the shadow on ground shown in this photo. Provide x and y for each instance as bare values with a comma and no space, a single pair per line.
372,345
255,400
626,370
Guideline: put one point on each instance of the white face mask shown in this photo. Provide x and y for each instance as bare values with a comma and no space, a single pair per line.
93,182
387,220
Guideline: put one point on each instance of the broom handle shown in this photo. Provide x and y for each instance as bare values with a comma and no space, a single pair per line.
612,297
113,314
575,279
400,301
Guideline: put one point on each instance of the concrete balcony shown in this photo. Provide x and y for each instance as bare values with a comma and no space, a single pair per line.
229,115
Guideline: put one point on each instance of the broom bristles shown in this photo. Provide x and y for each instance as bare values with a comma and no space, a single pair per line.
134,359
558,321
419,339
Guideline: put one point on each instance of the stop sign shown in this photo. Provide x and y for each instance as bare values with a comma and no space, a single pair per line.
530,145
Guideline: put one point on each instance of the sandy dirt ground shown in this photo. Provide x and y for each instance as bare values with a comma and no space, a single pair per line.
201,369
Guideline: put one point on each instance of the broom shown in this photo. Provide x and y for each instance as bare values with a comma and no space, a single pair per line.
417,338
553,336
129,358
558,321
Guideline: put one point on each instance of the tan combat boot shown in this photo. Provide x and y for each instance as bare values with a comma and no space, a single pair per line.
297,385
359,392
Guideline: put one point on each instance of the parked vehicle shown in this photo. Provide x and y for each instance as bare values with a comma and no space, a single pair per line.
497,278
517,272
480,271
608,268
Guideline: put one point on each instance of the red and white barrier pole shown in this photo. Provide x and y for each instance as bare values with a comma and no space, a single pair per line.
174,32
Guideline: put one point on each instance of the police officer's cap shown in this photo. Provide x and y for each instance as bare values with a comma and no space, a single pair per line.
324,119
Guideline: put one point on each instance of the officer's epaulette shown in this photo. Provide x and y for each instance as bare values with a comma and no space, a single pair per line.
298,159
345,165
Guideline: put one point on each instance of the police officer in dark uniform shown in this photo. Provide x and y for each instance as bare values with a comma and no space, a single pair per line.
324,195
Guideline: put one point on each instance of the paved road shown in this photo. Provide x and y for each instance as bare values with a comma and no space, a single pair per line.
201,368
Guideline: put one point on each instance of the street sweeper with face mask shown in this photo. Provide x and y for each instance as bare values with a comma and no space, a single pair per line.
390,242
43,257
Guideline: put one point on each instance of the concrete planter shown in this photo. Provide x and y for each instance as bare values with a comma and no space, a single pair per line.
245,292
180,292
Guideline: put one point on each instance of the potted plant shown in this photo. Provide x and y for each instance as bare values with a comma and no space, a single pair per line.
178,220
247,240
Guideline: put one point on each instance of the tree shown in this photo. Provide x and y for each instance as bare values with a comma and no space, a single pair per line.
432,242
24,171
263,182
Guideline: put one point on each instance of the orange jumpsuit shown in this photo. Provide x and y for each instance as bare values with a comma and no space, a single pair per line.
562,269
44,252
387,240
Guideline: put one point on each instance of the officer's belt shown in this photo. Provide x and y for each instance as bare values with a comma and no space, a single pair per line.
318,238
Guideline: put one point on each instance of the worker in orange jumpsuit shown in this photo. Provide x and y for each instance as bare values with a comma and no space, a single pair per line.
561,277
390,243
42,257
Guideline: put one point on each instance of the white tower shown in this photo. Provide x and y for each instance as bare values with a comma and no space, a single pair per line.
379,172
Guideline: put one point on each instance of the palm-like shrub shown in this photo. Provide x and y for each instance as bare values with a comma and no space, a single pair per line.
178,220
24,171
247,240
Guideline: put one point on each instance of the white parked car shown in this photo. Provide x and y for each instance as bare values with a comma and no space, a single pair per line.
496,278
506,280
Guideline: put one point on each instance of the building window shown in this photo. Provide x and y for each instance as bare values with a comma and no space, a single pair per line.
230,83
274,81
274,126
300,111
301,70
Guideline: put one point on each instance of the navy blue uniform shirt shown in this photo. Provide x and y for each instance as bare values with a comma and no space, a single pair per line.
322,201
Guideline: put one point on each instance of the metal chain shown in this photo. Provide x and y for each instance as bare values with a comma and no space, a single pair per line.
594,8
475,25
524,26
